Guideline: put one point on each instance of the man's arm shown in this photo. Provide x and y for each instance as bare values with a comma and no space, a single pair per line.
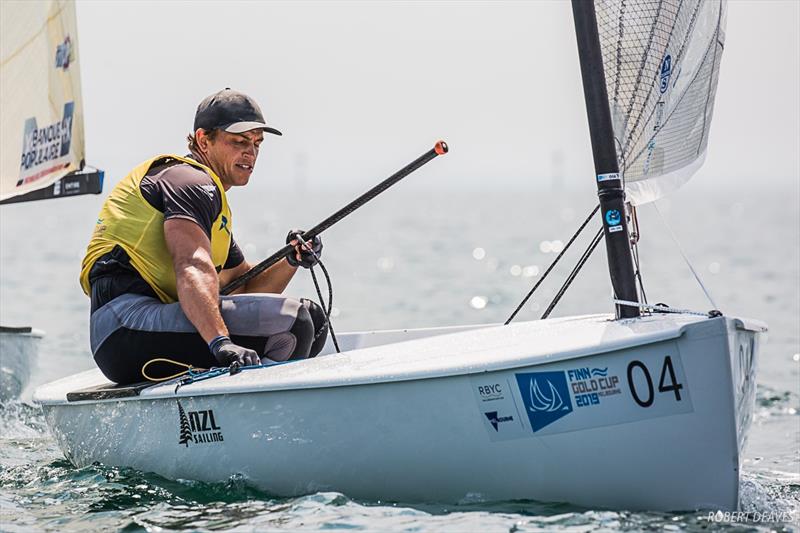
197,280
273,280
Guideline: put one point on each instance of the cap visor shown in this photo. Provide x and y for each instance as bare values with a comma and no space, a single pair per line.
241,127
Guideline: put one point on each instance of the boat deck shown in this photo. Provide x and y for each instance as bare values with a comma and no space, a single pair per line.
381,356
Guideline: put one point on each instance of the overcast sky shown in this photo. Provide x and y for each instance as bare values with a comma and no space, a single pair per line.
361,88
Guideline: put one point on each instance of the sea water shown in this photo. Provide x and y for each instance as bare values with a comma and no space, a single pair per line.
417,258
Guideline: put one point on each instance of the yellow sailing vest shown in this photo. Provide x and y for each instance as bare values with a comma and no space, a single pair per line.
128,220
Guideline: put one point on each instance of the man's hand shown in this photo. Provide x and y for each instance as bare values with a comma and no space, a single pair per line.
226,353
303,256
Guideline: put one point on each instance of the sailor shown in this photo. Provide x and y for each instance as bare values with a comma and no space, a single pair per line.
163,246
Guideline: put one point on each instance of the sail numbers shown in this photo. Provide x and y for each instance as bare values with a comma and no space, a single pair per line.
667,382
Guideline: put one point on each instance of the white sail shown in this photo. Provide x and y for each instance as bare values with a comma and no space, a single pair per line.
661,60
41,124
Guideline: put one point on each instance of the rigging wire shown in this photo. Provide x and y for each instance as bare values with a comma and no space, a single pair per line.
553,264
635,236
685,258
572,275
662,308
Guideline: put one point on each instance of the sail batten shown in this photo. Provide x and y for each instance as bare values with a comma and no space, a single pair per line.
661,59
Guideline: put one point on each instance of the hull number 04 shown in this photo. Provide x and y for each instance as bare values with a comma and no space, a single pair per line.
643,393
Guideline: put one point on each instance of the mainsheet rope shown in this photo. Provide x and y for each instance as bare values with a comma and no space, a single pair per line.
327,312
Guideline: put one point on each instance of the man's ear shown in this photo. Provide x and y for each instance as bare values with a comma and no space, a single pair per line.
201,139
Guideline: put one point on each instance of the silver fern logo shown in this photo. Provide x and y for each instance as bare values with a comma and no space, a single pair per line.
185,429
197,427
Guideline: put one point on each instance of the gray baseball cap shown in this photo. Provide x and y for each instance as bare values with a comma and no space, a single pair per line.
230,111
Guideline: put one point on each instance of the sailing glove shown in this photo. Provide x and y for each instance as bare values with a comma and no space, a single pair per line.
307,259
229,354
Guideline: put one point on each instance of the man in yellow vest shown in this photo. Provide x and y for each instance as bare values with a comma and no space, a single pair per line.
163,246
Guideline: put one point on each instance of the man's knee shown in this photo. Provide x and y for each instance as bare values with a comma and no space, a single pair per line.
303,331
320,323
293,343
303,337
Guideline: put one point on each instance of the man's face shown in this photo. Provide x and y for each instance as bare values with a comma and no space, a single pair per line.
233,155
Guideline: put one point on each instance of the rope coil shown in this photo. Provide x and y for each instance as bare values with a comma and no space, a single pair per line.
189,369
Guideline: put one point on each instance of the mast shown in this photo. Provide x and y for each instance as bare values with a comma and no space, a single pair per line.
609,185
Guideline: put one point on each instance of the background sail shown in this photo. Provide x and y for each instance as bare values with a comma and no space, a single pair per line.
661,61
41,124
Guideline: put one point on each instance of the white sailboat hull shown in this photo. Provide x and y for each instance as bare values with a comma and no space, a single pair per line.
489,414
18,353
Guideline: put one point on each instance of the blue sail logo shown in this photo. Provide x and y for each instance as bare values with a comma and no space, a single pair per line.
45,150
546,397
64,54
666,71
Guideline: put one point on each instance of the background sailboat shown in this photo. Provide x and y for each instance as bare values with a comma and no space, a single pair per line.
41,130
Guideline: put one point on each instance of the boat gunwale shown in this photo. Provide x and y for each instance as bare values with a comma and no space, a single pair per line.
167,390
